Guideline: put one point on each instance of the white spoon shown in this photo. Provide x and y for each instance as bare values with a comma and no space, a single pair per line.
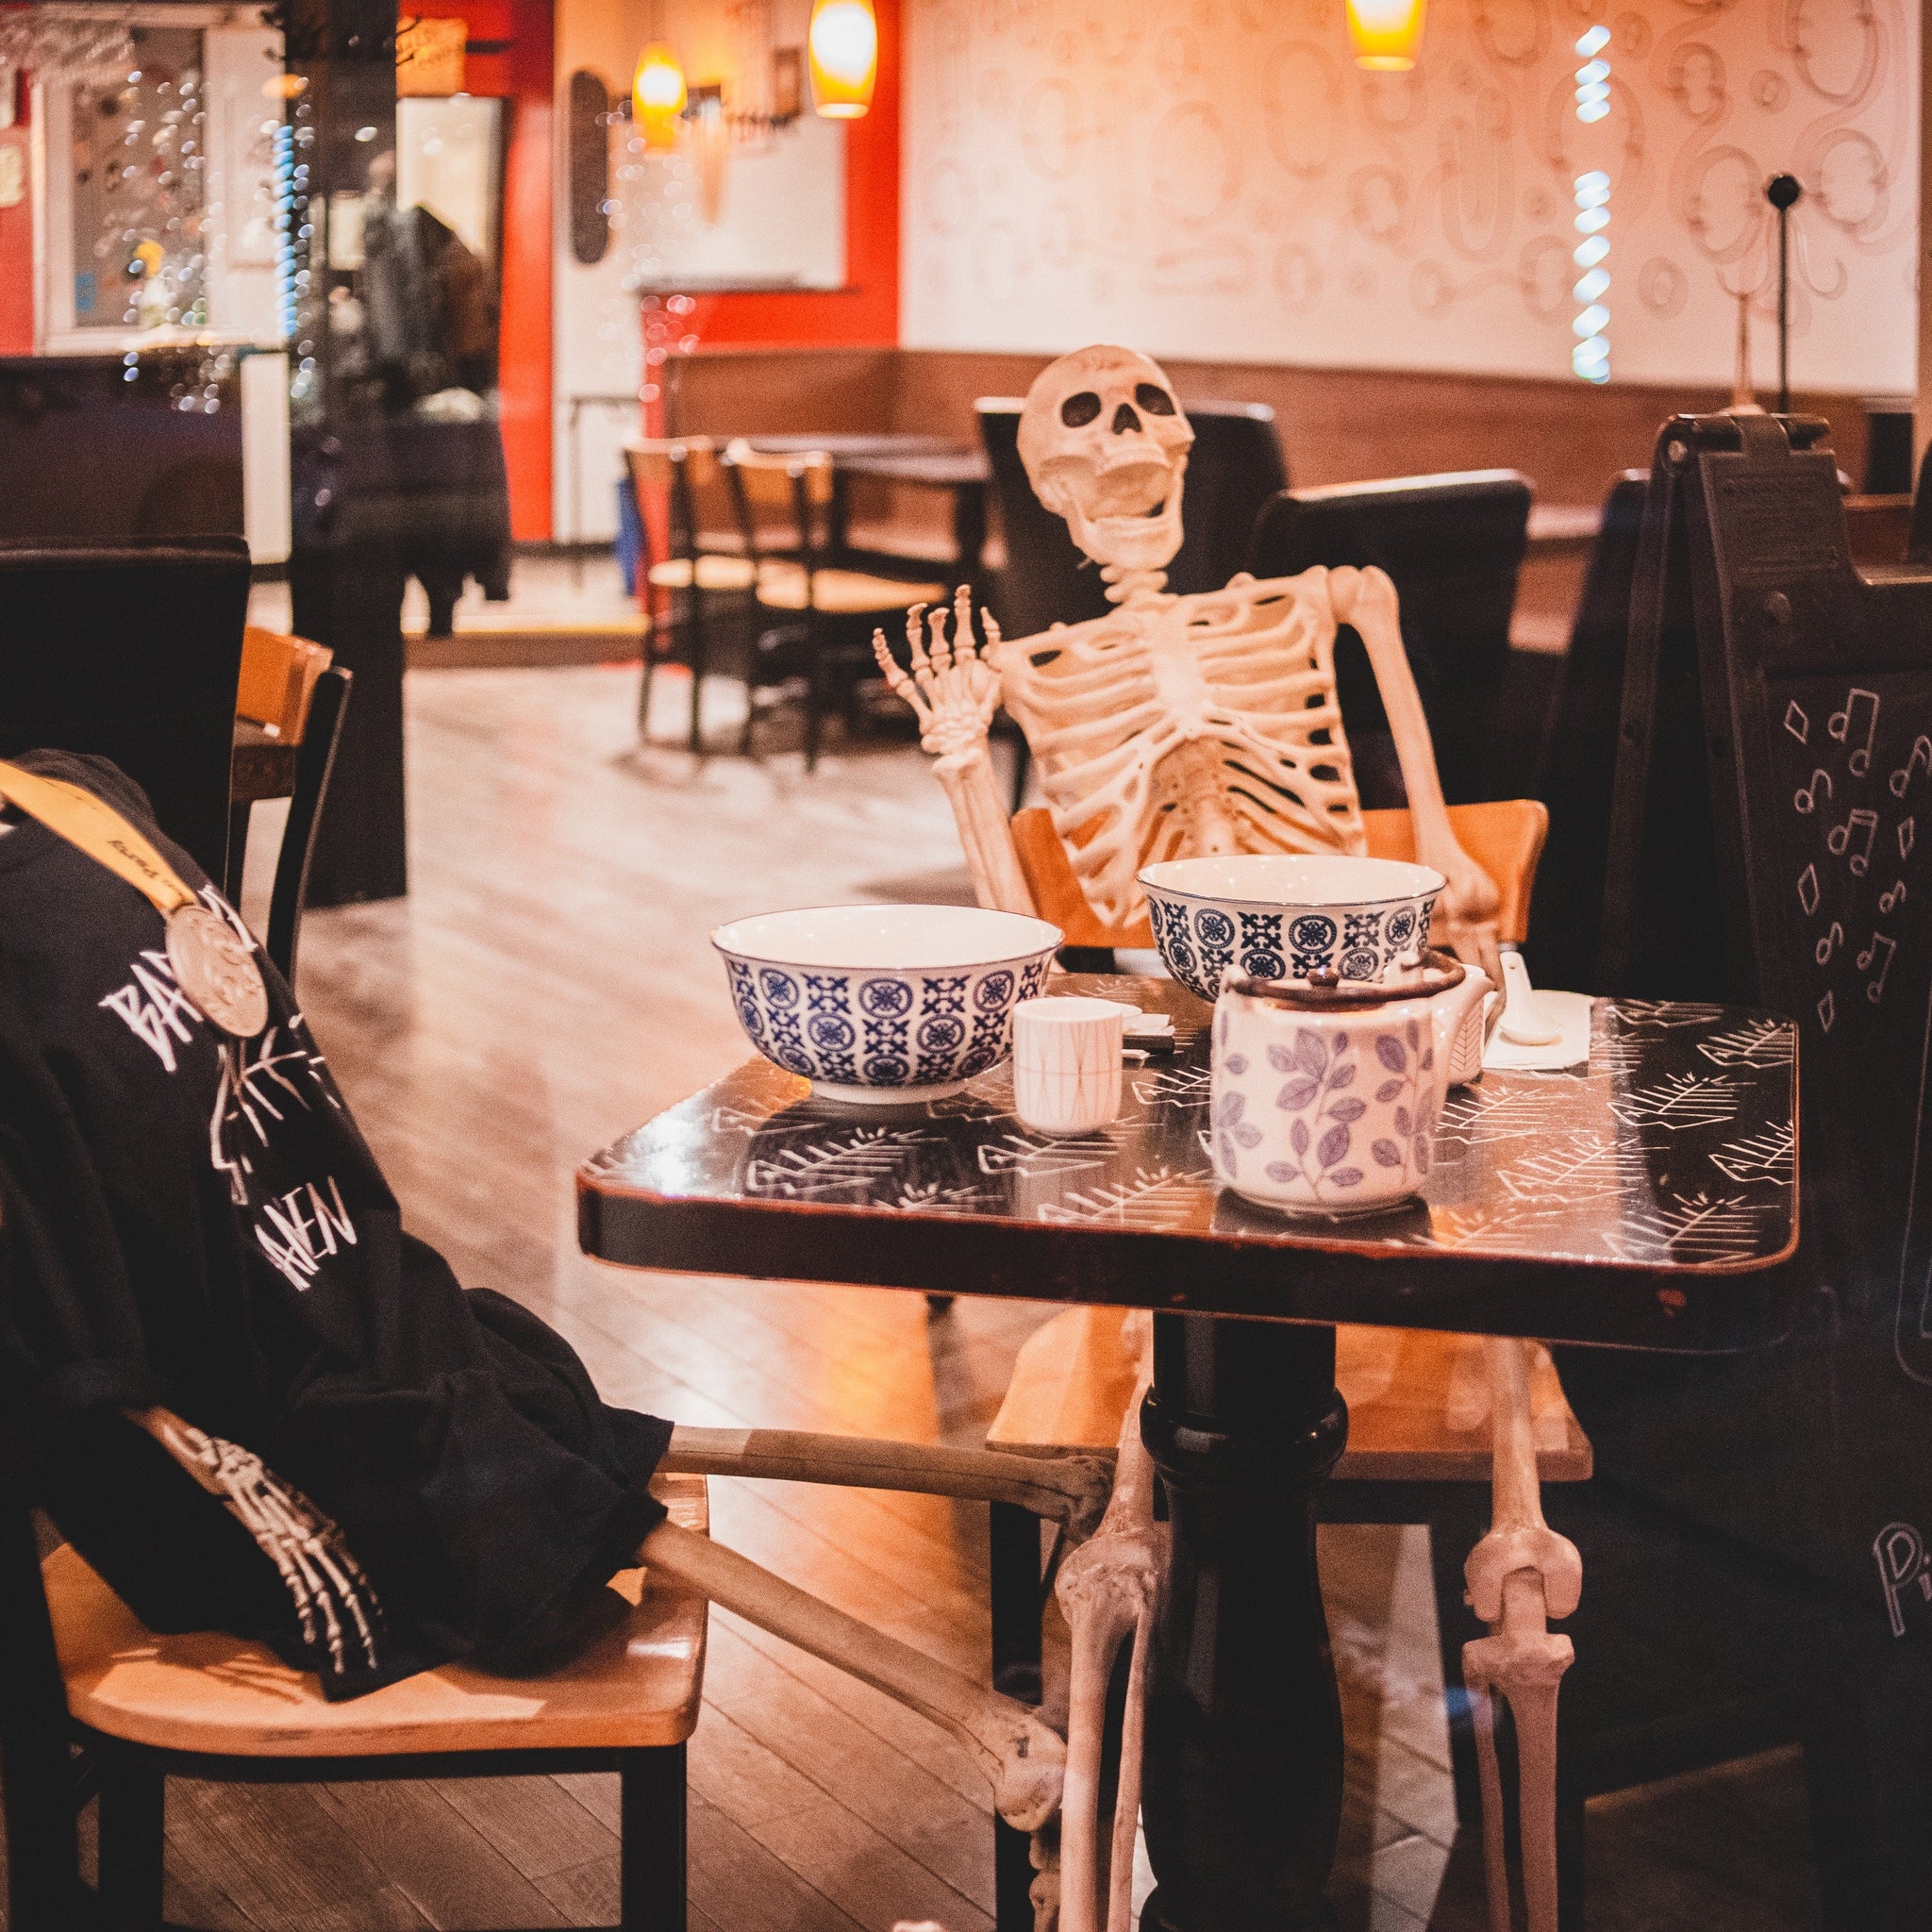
1525,1022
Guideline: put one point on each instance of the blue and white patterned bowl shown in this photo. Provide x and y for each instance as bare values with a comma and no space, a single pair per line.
1284,915
884,1003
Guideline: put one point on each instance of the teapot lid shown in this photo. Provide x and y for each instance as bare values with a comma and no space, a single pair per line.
1325,992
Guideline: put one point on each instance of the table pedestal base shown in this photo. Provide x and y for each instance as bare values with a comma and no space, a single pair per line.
1242,1792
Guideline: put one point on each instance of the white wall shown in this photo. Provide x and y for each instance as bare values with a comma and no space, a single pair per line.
1217,180
784,221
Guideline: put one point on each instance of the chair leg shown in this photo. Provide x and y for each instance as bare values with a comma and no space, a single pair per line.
651,1854
1014,1571
814,698
697,665
133,1814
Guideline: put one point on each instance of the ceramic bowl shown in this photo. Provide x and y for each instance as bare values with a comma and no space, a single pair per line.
1275,915
884,1003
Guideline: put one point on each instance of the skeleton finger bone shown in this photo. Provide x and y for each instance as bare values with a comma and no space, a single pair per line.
1021,1757
899,683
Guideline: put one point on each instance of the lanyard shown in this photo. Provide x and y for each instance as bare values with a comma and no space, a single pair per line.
211,965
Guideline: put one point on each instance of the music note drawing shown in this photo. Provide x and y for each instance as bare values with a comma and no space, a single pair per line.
1855,837
1920,760
1895,897
1822,951
1805,799
1875,988
1843,725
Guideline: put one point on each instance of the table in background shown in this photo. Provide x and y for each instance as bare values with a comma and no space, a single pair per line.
924,462
1647,1200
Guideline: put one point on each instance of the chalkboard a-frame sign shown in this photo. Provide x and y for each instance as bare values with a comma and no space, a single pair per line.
1771,831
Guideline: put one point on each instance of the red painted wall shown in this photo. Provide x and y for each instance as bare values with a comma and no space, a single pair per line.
17,247
864,313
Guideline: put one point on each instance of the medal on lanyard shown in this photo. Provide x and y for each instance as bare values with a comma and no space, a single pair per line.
211,964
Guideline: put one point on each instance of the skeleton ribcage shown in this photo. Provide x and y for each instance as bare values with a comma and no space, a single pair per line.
1245,676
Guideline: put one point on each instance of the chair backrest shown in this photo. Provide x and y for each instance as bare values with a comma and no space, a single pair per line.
783,501
1235,470
1578,762
278,676
314,766
132,651
685,472
1504,836
1045,580
1452,544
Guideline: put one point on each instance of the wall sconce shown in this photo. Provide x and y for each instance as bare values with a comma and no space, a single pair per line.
1386,33
843,43
658,95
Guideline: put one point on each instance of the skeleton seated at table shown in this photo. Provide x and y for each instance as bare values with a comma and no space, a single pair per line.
1181,727
1174,726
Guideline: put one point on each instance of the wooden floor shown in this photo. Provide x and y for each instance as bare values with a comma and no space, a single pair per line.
546,985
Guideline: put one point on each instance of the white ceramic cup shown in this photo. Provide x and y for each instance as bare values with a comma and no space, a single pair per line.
1067,1063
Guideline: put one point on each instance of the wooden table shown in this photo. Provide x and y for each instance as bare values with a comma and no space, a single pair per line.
923,462
1648,1201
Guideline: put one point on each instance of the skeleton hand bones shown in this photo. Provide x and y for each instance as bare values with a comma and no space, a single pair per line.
954,689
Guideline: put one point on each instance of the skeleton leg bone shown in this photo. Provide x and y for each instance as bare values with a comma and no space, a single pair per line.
1069,1490
1107,1590
1023,1758
1520,1575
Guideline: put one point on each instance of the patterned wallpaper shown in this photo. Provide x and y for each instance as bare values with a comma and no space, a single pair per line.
1215,178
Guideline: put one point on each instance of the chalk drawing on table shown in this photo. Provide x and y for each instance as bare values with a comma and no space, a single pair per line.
1853,838
1827,1010
1843,725
1805,799
1173,1087
1039,1156
1685,1100
1796,722
1807,889
1692,1228
1582,1167
1920,760
861,1158
1888,901
1633,1015
1757,1043
1481,1116
930,1198
1834,939
1155,1200
1767,1156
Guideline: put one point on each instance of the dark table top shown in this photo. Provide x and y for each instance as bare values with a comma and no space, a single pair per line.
859,450
1649,1200
943,469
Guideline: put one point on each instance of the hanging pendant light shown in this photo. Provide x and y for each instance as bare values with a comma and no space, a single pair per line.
1386,33
658,95
844,45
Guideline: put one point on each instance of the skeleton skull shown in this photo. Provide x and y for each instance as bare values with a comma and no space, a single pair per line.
1105,446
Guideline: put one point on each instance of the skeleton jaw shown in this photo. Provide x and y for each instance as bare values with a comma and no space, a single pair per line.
1126,513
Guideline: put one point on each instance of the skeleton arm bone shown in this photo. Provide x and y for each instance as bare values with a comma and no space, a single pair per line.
1367,600
954,693
1022,1757
1071,1489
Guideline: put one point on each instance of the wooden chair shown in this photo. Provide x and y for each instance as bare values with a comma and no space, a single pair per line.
785,503
315,763
1420,1415
83,1672
705,558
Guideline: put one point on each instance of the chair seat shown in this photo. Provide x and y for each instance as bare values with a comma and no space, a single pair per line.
1418,1401
842,593
713,573
635,1687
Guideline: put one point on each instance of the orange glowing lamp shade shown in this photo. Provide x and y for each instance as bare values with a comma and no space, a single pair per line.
658,95
1386,33
844,47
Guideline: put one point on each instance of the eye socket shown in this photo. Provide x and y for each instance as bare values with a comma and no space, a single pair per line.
1080,411
1153,399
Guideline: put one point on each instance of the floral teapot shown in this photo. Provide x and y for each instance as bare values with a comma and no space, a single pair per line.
1326,1093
